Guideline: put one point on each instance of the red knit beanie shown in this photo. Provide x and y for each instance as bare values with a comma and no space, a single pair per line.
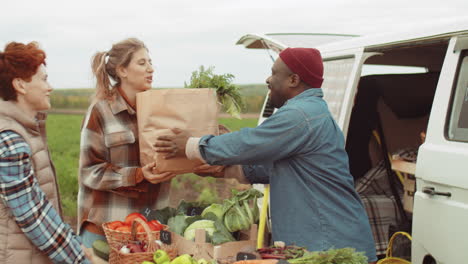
305,62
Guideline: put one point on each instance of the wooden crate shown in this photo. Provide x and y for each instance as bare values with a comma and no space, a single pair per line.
224,252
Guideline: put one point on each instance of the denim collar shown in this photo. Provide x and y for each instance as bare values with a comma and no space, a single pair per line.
317,92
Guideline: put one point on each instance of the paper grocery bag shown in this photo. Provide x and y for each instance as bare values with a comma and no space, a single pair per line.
195,110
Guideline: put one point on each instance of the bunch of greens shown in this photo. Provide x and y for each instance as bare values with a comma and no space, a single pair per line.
228,93
241,211
331,256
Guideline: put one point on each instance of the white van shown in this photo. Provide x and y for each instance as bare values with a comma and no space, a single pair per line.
431,102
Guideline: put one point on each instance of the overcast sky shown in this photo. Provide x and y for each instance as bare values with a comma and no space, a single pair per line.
181,35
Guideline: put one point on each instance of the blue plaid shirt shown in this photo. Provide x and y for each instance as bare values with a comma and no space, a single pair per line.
34,214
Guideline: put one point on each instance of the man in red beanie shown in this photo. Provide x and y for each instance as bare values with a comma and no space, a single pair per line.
300,152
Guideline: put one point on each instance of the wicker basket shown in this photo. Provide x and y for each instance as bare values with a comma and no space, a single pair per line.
389,258
115,238
116,257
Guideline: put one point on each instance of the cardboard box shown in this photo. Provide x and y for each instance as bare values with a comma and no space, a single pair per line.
225,252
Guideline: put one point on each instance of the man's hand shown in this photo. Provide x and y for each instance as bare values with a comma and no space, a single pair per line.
173,145
208,170
155,178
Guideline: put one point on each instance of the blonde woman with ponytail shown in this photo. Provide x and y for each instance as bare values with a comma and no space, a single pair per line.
112,183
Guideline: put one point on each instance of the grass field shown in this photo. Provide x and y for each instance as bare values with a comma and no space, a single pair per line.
64,142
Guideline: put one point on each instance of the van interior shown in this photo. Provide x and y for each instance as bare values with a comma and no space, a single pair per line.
392,110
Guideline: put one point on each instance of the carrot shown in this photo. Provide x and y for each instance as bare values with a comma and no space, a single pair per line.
257,261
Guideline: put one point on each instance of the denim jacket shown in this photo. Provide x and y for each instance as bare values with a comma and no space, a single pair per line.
300,152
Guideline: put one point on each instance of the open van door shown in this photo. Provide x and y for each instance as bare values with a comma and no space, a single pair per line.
440,232
341,74
341,68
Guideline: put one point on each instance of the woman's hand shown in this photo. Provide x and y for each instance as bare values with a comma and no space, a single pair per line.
150,175
208,170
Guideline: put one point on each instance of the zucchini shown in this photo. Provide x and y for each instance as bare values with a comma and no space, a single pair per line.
101,249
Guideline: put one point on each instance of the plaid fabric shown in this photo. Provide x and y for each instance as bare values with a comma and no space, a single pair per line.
379,201
382,212
109,161
380,204
374,182
34,214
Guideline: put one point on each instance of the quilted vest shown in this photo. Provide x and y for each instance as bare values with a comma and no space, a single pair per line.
15,247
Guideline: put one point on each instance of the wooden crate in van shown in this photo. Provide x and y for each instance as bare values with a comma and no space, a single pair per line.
409,182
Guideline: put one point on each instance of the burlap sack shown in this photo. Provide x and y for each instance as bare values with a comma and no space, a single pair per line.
195,110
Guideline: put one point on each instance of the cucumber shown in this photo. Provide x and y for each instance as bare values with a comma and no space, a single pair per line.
101,249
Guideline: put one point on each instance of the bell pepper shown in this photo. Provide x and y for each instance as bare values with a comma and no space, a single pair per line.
183,259
124,228
115,224
154,225
160,257
129,218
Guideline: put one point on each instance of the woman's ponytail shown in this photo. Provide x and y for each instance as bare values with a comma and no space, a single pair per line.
103,84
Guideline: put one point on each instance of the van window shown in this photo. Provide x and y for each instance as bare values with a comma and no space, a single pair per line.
458,123
336,75
369,69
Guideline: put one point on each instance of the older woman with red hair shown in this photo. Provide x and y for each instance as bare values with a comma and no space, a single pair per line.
31,227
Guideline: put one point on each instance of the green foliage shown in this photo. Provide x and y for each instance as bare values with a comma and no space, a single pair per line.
236,124
63,132
332,256
253,97
228,94
71,98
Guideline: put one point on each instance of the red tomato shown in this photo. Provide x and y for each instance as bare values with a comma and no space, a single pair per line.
130,217
124,228
115,224
154,225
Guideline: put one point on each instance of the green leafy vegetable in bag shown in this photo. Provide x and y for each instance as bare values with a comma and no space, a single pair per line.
228,93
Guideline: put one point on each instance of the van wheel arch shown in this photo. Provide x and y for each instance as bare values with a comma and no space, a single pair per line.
428,259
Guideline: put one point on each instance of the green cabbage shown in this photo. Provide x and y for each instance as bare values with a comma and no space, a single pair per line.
207,225
216,209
